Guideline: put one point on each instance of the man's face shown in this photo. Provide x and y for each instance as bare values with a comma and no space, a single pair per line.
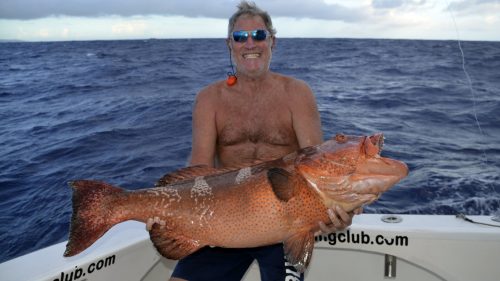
252,57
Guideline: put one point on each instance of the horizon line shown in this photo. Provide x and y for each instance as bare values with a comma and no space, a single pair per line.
223,38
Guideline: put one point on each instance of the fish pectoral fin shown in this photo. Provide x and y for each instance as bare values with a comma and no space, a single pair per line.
170,244
280,180
298,249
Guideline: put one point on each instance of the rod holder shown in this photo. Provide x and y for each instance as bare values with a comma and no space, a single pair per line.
390,266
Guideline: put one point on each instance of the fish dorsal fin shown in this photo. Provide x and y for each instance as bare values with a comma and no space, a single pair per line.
191,172
281,183
298,249
170,244
187,173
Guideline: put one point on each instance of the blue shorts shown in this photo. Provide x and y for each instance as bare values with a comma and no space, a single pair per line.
231,264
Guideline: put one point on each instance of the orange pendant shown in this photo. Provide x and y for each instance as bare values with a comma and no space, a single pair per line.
231,80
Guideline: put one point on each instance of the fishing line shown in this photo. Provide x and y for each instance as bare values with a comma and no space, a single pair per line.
465,218
469,80
471,89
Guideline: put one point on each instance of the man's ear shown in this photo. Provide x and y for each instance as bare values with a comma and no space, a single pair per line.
228,44
273,43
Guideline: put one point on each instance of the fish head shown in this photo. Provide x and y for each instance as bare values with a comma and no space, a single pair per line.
348,170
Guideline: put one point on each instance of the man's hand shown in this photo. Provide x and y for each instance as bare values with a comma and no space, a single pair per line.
151,221
340,220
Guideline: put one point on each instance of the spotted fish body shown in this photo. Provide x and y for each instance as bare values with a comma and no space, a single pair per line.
277,201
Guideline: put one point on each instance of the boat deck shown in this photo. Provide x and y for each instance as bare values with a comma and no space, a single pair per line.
419,247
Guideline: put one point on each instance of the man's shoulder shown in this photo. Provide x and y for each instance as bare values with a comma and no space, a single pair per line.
213,87
291,83
286,78
211,91
293,88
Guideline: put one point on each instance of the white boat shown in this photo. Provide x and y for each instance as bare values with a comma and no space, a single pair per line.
403,247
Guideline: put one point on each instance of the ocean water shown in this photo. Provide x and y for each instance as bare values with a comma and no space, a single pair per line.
120,111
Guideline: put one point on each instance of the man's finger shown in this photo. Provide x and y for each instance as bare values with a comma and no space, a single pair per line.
343,215
149,224
325,229
334,218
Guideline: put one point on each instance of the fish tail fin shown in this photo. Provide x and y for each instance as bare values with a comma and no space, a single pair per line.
92,214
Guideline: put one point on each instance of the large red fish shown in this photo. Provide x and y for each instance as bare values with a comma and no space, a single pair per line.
277,201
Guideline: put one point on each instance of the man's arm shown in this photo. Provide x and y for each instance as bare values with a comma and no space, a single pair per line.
305,115
307,126
204,129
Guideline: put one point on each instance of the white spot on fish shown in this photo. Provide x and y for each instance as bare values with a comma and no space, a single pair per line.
171,193
200,187
202,194
243,174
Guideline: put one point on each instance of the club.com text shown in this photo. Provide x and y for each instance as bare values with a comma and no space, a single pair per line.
79,272
362,238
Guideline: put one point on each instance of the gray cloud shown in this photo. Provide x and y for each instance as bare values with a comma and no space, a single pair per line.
463,5
387,4
33,9
315,9
391,4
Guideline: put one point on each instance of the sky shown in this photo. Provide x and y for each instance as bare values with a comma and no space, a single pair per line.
63,20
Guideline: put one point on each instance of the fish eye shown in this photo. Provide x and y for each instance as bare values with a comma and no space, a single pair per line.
340,138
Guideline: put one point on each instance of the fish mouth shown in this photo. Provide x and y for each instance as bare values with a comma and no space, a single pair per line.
372,145
377,140
376,164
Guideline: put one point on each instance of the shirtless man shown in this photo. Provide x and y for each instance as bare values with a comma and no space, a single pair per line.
263,116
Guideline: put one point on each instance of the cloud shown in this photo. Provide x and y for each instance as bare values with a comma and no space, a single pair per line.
126,19
391,4
314,9
463,5
129,27
486,11
387,4
34,9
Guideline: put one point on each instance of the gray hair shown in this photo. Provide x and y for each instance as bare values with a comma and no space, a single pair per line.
250,8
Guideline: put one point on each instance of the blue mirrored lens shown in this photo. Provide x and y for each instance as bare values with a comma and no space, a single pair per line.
259,35
242,35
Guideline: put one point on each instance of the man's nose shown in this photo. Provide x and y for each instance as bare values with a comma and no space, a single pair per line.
250,43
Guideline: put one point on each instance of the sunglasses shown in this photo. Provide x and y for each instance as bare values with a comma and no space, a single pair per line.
242,35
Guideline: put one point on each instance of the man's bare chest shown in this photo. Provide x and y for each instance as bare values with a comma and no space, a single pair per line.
268,123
